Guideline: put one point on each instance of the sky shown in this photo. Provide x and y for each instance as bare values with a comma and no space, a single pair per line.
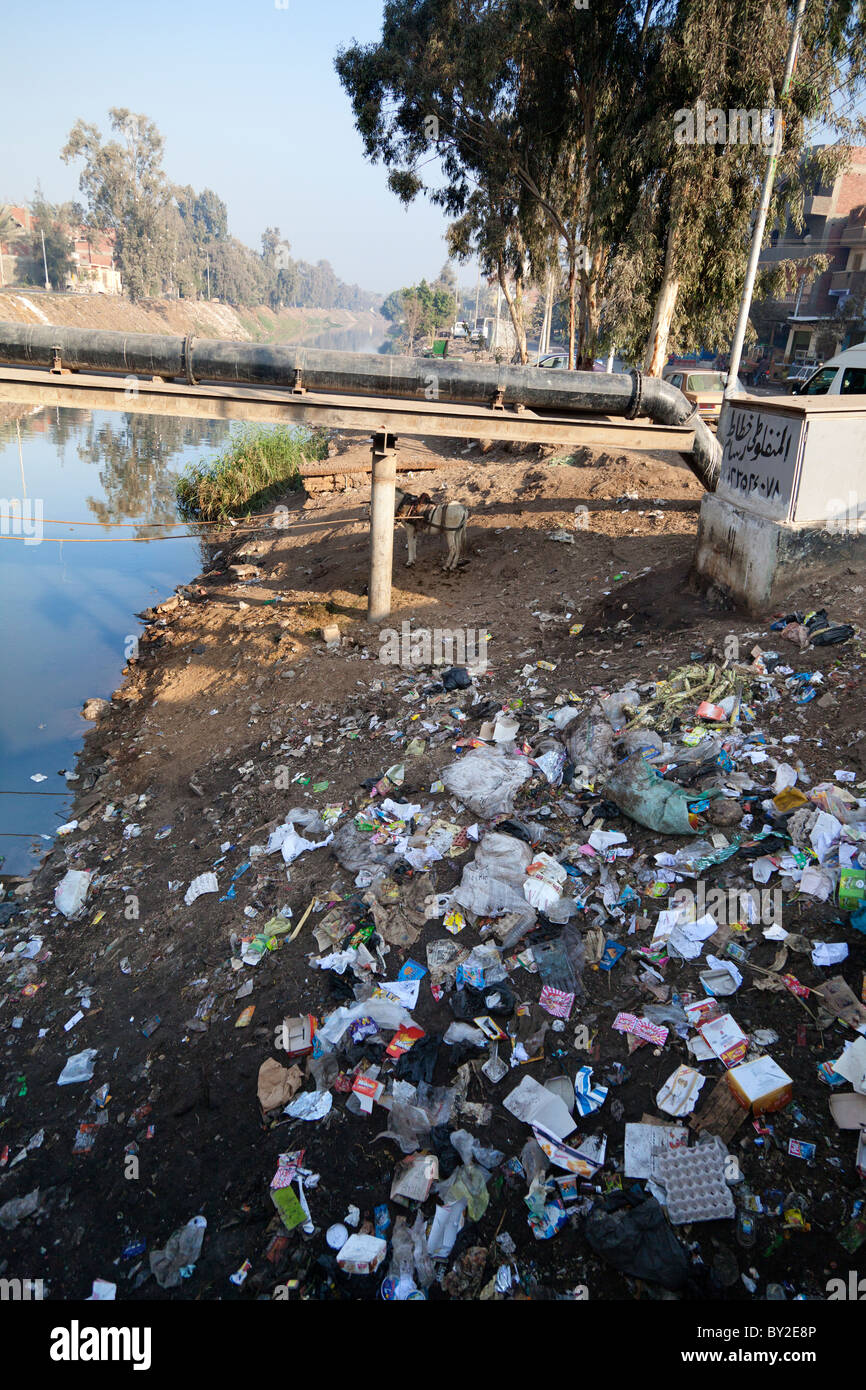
246,96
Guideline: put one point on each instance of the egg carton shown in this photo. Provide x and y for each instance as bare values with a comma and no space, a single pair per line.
694,1181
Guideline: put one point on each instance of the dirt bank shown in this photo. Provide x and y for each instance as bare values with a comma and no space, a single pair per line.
201,317
236,711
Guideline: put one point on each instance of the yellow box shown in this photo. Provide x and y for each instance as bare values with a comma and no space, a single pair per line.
761,1086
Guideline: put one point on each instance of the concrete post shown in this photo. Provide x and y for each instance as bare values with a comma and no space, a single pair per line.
382,526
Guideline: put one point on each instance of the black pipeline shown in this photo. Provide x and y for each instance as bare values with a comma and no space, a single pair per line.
628,394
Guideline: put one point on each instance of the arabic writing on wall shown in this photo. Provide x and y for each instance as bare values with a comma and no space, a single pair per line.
760,453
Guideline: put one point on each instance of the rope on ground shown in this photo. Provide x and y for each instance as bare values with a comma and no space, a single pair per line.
181,536
121,525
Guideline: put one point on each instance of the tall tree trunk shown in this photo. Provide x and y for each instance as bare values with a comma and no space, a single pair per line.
572,279
666,302
515,309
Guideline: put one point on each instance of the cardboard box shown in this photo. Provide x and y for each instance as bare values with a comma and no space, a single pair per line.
298,1034
761,1086
362,1254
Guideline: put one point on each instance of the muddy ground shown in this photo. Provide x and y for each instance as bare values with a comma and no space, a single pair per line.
233,695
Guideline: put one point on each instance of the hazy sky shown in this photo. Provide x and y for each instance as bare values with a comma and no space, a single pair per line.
247,99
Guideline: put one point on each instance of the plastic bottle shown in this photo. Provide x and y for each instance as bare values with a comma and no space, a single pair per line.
746,1230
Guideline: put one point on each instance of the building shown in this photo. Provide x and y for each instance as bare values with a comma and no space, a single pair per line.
822,313
94,270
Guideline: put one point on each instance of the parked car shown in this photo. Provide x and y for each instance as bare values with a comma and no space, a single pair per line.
843,375
798,373
705,389
557,361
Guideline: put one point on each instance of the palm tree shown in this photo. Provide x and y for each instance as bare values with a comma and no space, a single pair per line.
11,231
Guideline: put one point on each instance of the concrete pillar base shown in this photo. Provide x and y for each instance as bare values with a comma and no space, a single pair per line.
753,561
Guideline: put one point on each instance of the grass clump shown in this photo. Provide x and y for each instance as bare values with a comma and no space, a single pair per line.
257,464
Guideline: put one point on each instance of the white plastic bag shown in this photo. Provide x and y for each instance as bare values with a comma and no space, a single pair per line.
71,892
485,780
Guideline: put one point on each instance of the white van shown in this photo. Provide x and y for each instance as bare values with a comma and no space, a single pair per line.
843,375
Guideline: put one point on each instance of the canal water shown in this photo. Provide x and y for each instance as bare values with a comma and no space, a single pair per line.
68,604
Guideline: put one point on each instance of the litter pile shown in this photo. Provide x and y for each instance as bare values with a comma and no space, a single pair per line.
568,988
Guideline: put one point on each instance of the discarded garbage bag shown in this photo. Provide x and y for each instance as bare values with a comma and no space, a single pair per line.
493,882
18,1208
287,839
589,743
486,780
419,1063
638,790
71,892
181,1251
354,850
469,1003
638,1241
469,1185
561,961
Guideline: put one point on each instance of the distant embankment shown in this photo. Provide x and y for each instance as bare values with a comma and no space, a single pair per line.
202,317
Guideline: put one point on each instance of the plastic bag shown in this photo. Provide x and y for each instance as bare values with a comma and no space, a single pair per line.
638,1241
468,1184
180,1252
468,1003
17,1209
644,796
493,882
486,781
71,892
471,1151
561,961
292,844
78,1068
355,851
408,1124
621,706
589,743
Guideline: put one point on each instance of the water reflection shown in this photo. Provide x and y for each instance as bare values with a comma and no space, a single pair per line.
134,459
67,608
363,337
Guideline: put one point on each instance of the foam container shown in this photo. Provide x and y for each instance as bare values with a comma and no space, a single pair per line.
694,1180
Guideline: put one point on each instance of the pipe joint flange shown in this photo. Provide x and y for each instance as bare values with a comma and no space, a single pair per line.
634,404
186,358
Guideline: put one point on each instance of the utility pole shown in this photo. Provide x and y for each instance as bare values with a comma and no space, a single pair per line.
761,217
382,498
207,253
44,260
477,298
